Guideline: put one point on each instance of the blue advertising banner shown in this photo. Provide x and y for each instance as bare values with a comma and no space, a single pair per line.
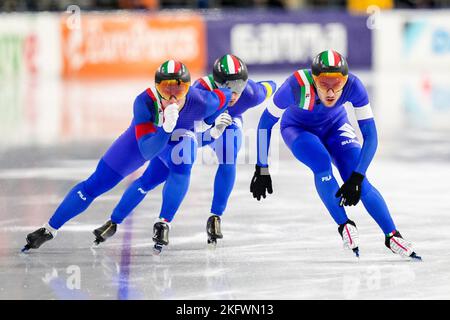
279,40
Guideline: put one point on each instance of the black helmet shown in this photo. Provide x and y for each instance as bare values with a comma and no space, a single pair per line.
229,68
172,70
329,61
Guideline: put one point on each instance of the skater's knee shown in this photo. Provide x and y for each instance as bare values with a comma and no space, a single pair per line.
324,176
103,179
182,169
87,187
144,184
317,160
94,187
366,187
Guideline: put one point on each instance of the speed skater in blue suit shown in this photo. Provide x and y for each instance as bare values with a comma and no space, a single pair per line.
222,131
315,127
162,119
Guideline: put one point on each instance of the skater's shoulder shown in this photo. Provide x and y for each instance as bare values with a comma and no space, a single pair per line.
147,106
355,91
301,78
205,83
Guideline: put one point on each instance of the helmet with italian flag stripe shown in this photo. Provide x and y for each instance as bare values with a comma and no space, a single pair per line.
329,70
230,71
172,78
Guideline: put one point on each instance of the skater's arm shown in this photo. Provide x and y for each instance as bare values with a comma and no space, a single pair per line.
151,138
220,124
281,100
364,116
213,104
369,147
215,100
152,144
264,91
255,93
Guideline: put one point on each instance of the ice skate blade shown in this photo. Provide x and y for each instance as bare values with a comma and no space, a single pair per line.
415,257
97,242
157,248
26,248
356,252
212,244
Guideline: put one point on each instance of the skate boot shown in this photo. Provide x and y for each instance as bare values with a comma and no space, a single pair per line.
160,235
39,237
395,242
213,230
349,234
104,232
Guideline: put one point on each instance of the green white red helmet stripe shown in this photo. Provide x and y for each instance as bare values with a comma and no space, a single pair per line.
170,66
230,64
307,93
330,58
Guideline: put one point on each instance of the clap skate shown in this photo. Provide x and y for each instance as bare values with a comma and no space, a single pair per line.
213,230
39,237
349,234
395,242
104,232
160,236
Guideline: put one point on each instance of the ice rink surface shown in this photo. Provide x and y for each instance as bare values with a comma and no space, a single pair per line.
285,247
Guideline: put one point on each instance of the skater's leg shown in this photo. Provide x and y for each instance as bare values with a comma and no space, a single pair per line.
226,148
180,161
174,191
309,149
81,196
121,158
155,174
346,161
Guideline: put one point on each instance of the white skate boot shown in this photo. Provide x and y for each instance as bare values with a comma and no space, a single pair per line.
349,234
395,242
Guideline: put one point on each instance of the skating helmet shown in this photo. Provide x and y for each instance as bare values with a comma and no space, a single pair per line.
330,71
172,79
230,72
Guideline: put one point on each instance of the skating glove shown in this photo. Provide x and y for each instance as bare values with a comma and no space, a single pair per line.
170,117
260,182
220,124
350,191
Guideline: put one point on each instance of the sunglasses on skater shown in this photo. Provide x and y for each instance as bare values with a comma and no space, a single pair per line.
234,85
172,88
327,81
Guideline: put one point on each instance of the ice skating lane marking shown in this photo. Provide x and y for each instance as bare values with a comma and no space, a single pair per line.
125,259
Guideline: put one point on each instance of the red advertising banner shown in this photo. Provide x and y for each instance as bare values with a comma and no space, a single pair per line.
131,44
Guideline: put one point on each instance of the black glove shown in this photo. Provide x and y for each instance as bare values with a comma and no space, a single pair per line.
260,182
350,192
